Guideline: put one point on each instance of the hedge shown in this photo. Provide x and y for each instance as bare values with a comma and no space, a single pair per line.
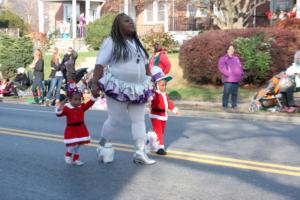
98,30
14,53
166,40
199,56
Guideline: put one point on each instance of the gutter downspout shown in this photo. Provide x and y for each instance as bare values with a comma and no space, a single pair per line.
173,15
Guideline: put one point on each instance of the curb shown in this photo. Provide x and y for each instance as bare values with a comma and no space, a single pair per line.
245,116
190,110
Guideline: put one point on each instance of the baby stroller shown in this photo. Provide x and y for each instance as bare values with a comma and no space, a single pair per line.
268,97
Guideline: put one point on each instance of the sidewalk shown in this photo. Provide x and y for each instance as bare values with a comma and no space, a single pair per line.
212,109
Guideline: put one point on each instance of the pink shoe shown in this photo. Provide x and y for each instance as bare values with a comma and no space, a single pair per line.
284,108
291,109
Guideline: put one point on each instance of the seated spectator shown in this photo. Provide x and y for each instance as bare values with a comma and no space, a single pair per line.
21,81
7,88
282,15
287,96
293,12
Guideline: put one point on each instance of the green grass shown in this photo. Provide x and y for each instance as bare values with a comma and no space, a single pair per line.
178,88
206,93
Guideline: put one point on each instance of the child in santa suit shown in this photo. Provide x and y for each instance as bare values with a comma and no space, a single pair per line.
160,106
76,133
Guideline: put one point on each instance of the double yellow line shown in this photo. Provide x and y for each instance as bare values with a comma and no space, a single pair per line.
179,155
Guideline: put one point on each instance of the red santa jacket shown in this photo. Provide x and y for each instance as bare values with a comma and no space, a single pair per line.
75,132
160,105
163,62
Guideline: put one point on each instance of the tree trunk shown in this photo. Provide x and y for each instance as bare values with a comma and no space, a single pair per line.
234,13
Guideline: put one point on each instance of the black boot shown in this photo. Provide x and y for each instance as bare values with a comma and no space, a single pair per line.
161,152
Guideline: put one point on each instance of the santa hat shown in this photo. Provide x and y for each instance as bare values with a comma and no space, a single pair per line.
158,74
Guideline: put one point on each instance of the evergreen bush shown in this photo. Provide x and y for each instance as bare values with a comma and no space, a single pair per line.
98,30
165,39
14,53
255,55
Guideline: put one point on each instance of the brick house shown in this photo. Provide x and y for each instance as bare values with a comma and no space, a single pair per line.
161,15
150,15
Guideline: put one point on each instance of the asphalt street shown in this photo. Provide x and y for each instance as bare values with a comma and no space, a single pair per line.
209,158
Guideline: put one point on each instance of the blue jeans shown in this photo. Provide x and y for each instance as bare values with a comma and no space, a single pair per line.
230,89
55,83
38,82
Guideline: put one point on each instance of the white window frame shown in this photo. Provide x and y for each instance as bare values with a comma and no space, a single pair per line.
154,14
189,13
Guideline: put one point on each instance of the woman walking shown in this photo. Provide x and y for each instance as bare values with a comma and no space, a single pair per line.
126,84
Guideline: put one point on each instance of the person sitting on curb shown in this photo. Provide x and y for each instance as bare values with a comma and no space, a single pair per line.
7,88
287,96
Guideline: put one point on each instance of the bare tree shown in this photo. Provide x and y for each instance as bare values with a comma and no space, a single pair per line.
26,9
229,14
4,5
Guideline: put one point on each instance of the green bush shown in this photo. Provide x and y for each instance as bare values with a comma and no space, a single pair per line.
11,20
14,53
165,39
98,30
255,55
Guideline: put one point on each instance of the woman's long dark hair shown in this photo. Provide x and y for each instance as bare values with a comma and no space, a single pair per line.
121,50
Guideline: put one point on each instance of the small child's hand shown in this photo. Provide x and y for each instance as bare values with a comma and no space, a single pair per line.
59,105
178,113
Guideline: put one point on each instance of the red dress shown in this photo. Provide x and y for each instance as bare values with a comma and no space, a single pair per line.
76,133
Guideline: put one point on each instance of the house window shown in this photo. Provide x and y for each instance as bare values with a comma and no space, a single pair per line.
149,12
189,10
154,12
160,11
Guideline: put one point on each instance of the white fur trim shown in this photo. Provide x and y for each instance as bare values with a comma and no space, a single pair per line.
175,110
152,142
163,118
166,102
82,139
69,105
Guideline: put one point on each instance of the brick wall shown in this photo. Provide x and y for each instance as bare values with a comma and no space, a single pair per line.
182,23
112,6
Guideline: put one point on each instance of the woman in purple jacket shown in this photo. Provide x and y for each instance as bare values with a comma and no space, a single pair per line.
232,73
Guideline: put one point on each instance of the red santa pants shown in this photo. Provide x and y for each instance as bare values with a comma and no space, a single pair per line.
159,128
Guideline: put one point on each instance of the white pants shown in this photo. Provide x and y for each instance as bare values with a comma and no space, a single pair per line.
117,112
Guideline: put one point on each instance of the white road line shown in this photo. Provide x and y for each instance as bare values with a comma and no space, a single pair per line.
28,110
